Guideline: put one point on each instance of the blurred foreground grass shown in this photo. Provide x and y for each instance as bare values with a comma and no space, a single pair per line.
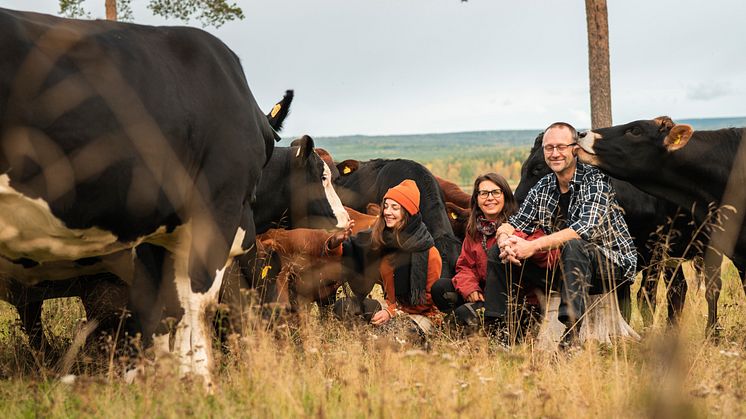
319,368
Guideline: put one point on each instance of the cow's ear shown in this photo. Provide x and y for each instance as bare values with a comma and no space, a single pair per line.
678,137
348,166
305,147
373,209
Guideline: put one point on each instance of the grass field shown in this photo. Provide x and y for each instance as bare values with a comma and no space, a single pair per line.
307,366
310,367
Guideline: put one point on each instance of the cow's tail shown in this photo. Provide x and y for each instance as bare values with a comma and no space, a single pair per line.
280,111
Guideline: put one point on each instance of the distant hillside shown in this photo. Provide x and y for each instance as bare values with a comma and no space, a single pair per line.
423,147
428,147
714,123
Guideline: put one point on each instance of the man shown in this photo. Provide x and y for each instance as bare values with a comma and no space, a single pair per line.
575,208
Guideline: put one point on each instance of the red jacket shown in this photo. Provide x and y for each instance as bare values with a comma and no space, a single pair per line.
471,266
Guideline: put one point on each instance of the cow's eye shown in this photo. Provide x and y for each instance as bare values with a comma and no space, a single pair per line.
537,170
323,178
635,130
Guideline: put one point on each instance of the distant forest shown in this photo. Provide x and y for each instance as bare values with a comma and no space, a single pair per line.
461,156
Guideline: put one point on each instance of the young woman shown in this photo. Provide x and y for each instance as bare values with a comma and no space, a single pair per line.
492,202
408,262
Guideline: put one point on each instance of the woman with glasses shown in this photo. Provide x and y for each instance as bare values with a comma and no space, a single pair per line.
492,202
407,261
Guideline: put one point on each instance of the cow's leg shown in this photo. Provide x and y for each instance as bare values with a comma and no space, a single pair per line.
646,296
199,262
30,314
104,298
713,285
675,295
29,306
623,296
282,285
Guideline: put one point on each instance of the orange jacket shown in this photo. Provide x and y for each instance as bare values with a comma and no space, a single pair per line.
434,267
386,271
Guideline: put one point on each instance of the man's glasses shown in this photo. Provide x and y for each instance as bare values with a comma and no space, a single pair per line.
495,193
548,149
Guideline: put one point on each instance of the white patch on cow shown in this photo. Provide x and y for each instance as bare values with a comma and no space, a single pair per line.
236,247
588,141
192,342
28,229
587,154
343,218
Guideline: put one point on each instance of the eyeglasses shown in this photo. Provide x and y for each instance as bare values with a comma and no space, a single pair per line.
548,149
495,193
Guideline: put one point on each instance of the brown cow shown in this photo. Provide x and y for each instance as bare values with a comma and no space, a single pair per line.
313,277
453,193
304,271
362,221
373,209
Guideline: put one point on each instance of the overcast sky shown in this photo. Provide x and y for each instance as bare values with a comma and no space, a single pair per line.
423,66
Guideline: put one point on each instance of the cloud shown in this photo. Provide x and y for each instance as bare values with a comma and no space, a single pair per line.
708,91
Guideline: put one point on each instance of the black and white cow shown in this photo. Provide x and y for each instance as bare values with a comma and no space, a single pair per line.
114,135
295,191
104,296
693,169
656,226
361,183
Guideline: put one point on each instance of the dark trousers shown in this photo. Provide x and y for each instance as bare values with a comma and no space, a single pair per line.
582,270
448,301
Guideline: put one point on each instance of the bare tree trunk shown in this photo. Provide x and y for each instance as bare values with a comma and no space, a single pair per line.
111,9
598,62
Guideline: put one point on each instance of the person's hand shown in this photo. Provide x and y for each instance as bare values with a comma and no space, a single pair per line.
507,251
381,317
475,296
522,248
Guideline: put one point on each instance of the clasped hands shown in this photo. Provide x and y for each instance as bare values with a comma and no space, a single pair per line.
513,249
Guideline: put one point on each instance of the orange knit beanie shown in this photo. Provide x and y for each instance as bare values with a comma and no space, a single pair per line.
407,195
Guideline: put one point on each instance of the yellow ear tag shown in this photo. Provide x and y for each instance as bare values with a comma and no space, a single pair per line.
275,110
346,170
454,215
265,271
677,140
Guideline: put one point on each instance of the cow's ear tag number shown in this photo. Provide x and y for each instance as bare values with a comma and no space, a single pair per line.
454,215
677,141
347,170
276,110
265,271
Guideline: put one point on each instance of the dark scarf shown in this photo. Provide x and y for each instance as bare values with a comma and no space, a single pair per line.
409,256
487,228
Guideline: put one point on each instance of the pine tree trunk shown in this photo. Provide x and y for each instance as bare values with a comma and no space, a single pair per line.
111,9
598,62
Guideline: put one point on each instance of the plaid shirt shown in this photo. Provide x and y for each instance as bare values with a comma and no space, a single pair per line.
593,213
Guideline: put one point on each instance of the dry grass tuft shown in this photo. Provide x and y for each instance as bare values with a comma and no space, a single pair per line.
311,366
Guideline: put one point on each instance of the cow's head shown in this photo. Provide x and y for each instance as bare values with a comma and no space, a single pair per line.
633,151
458,217
314,203
327,158
348,166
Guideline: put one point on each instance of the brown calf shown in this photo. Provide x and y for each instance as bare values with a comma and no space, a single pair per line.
313,277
